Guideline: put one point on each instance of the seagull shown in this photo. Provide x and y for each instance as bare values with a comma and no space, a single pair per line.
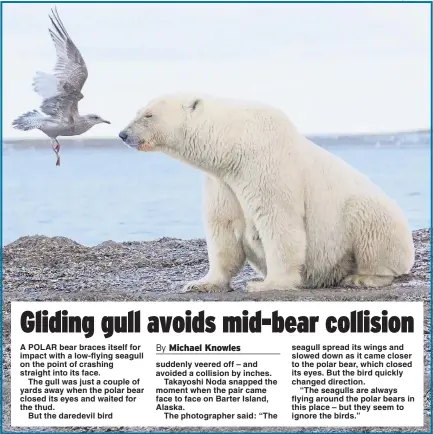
60,92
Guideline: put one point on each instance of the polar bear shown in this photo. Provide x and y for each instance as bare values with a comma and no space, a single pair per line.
301,216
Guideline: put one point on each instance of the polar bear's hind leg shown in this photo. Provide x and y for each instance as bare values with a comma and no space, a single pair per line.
382,243
360,280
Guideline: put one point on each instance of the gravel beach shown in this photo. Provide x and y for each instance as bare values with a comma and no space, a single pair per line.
39,268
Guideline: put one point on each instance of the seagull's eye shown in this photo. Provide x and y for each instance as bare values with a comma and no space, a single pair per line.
148,115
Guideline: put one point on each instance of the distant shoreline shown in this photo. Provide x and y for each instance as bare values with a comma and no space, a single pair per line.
409,138
422,131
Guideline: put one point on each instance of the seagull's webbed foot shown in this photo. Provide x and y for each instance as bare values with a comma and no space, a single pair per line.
56,148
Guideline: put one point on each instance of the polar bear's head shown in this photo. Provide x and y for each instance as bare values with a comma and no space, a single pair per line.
162,123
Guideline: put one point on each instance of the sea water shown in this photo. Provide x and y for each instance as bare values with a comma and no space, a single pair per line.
109,192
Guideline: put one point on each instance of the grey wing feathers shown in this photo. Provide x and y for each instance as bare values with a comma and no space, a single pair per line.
70,66
61,91
64,103
60,106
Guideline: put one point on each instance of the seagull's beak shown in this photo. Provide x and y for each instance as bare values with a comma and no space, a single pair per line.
106,122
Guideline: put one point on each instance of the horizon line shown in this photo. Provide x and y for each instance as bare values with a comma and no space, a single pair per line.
411,131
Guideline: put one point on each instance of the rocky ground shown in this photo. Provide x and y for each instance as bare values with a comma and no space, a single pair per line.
38,268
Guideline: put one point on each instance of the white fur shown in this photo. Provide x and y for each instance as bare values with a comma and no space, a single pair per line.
300,215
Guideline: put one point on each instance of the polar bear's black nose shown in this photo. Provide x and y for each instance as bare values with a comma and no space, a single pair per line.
123,135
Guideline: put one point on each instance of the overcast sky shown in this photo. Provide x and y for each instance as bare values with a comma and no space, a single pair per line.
331,67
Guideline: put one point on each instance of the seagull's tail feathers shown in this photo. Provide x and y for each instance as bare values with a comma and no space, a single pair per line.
46,85
29,121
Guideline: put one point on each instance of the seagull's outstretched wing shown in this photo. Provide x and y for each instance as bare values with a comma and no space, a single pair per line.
70,66
61,91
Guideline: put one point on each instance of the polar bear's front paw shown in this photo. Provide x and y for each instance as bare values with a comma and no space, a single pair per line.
205,286
257,286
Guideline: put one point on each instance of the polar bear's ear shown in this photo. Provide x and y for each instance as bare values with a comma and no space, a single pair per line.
192,105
